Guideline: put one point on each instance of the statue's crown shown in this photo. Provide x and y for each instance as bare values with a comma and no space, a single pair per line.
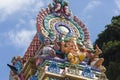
73,38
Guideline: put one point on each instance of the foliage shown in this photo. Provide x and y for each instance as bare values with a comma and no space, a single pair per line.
109,42
111,33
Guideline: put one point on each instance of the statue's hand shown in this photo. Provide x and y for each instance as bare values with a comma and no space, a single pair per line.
98,50
57,36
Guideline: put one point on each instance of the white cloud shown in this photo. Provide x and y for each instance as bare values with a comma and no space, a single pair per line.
91,5
38,6
117,10
118,3
11,6
8,7
32,23
21,21
19,35
21,38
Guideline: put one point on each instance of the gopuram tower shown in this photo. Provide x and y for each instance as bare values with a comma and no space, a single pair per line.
60,49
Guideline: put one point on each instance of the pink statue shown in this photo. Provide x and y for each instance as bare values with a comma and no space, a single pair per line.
67,11
57,7
48,50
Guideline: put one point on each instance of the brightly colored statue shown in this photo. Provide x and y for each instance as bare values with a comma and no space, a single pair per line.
95,61
48,50
16,68
70,48
60,8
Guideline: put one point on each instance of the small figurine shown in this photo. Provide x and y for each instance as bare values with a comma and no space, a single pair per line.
57,7
95,61
60,8
16,67
67,12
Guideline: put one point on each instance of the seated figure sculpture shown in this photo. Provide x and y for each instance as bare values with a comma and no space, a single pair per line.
95,61
48,50
70,48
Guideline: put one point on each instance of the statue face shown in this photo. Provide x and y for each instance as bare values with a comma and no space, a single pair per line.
14,61
12,73
72,45
47,41
69,45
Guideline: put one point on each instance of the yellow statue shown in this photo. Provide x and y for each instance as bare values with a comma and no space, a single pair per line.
74,55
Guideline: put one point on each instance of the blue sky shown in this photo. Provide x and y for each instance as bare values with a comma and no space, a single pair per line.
18,18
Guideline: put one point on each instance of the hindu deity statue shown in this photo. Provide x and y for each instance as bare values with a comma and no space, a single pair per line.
70,48
49,49
94,58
